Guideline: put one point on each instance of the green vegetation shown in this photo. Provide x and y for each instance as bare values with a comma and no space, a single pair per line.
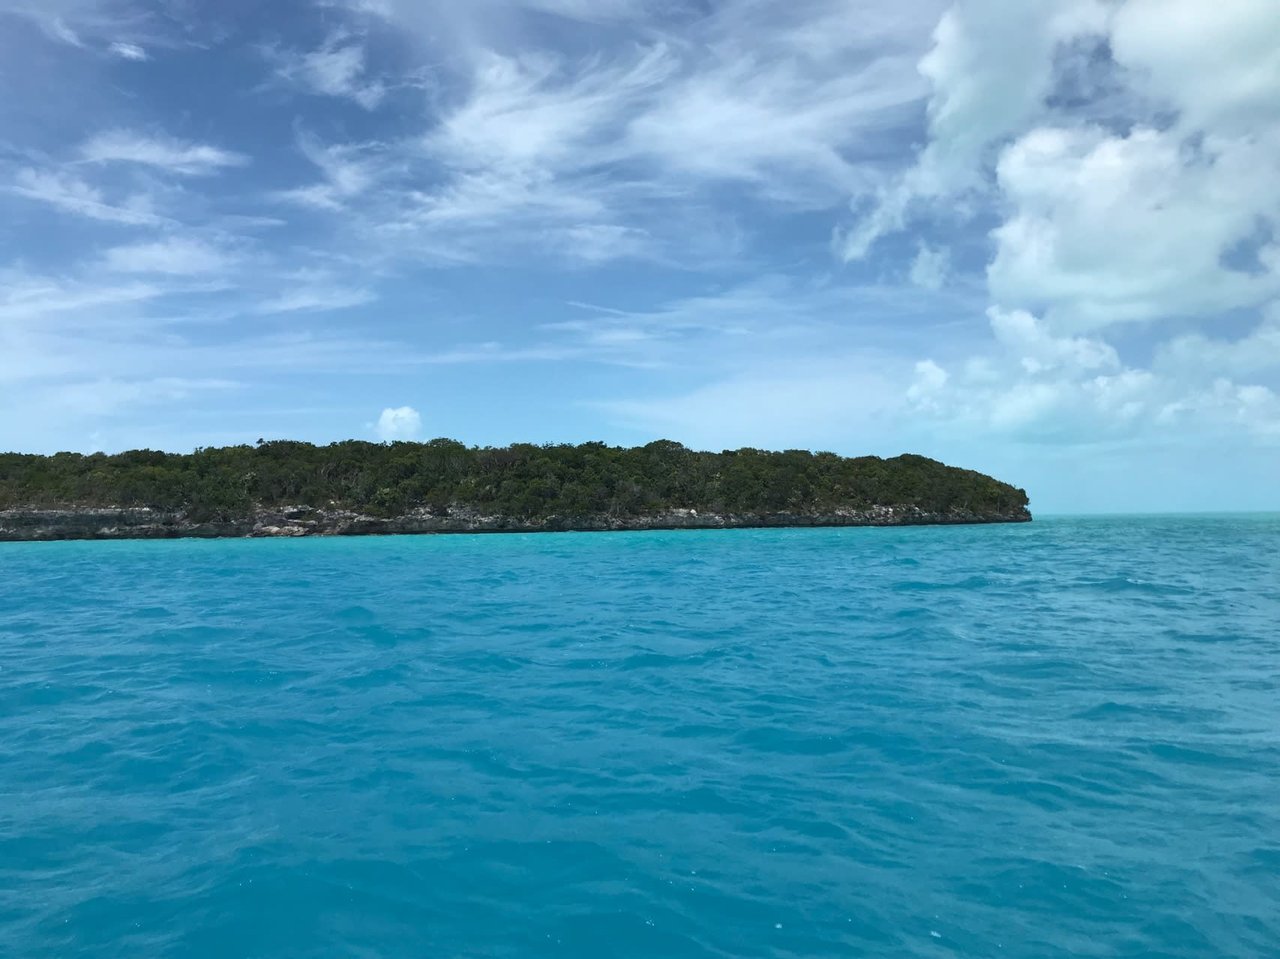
523,481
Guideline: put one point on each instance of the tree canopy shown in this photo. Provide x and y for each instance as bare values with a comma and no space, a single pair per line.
522,481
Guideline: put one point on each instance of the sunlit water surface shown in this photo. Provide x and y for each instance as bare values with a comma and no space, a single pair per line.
1053,740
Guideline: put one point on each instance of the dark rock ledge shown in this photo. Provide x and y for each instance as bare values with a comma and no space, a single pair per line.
141,523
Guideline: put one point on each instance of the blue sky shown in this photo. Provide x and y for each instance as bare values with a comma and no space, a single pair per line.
1036,238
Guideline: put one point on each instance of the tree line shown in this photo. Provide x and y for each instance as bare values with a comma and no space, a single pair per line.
523,480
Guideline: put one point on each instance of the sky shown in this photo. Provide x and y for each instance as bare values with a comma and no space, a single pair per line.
1038,238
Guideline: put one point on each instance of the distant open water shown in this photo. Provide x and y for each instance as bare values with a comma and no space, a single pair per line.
1038,741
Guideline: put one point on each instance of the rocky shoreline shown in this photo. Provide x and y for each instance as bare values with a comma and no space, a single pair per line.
141,523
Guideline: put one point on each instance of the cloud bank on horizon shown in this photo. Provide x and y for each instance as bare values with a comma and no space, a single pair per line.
1041,239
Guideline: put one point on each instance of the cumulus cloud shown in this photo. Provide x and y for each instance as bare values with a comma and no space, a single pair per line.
1195,356
1130,154
1038,350
1076,390
1106,225
990,70
1166,219
928,383
1106,229
1217,64
400,423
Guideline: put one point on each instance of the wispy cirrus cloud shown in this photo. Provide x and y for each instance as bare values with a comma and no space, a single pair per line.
591,10
128,51
27,297
71,194
347,171
1016,231
168,154
337,68
90,352
118,28
474,19
173,256
84,185
315,296
541,148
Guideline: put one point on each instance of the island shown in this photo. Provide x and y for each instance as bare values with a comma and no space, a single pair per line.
288,488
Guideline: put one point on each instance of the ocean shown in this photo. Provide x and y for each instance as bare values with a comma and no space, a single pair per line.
1047,740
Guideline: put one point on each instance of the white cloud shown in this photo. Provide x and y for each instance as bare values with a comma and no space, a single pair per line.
1217,63
643,129
590,10
316,298
311,290
929,381
1037,350
1159,202
77,22
533,111
602,242
837,402
128,51
59,29
175,256
336,69
347,170
482,17
1228,404
165,153
931,267
400,423
71,194
775,116
102,348
1106,229
29,299
537,148
990,69
757,327
1077,391
105,396
520,149
1194,356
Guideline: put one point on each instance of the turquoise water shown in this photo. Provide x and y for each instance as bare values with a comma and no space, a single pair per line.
1042,741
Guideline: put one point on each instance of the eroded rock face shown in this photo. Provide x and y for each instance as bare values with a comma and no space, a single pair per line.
294,521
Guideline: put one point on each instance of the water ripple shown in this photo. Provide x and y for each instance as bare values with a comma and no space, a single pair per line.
1044,741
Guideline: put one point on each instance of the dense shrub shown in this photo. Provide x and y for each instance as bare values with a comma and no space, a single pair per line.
524,480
